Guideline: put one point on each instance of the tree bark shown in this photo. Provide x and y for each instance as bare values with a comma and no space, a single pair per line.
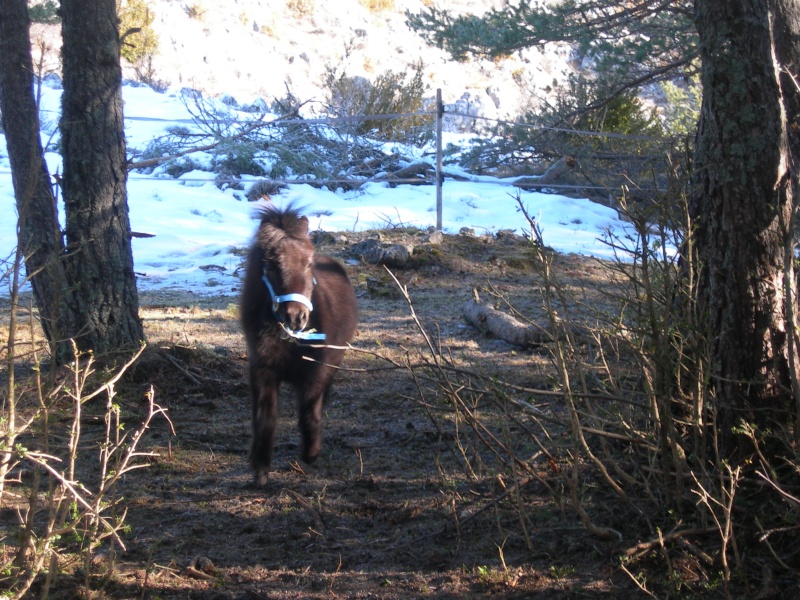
86,291
39,236
743,204
100,266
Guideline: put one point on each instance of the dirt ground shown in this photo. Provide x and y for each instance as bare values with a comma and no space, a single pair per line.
400,504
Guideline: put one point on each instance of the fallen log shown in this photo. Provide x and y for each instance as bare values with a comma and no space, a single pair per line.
373,165
561,167
503,326
420,173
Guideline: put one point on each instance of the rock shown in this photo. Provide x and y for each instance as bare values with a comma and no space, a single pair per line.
435,238
321,238
494,92
365,249
466,231
395,255
376,252
204,564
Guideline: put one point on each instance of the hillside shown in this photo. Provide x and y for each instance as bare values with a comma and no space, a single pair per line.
249,48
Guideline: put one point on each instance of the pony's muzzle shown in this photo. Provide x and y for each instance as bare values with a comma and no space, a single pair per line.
295,315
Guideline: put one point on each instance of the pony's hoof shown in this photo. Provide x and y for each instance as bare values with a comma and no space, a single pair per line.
310,458
261,478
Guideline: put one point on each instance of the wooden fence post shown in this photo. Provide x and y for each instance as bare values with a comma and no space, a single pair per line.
439,172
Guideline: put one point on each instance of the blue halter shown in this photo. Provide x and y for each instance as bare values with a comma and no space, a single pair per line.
277,300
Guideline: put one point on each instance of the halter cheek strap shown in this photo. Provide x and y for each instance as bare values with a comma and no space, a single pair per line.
277,300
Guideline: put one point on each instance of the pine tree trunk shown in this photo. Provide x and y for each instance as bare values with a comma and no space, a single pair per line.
100,265
742,206
39,236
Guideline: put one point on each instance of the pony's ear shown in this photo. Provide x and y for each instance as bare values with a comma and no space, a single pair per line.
304,224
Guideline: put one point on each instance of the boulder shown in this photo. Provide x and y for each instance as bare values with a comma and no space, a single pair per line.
376,252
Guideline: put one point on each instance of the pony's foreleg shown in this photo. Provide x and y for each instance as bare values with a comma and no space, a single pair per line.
311,401
265,416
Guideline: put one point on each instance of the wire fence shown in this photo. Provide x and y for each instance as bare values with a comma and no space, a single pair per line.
425,113
437,173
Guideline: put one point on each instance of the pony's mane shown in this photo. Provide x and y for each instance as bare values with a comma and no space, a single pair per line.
288,219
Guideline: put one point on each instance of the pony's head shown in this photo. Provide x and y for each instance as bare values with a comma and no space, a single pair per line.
286,264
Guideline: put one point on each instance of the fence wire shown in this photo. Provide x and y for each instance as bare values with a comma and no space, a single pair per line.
597,153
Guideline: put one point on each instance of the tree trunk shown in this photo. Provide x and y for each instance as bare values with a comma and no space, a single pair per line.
743,205
39,236
100,265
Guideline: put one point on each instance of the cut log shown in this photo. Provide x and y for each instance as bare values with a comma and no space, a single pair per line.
554,172
415,170
420,173
503,326
415,174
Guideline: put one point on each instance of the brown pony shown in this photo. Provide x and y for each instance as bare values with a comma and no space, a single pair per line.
297,310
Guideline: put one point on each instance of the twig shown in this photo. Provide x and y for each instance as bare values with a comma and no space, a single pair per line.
636,581
784,494
182,369
639,550
320,526
459,371
764,537
463,520
334,575
120,372
190,571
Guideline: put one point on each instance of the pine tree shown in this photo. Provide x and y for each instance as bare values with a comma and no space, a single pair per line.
86,289
630,43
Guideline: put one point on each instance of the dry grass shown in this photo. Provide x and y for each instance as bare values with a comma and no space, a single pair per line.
377,6
300,8
403,503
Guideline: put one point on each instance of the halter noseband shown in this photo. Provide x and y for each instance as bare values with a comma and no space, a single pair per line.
277,300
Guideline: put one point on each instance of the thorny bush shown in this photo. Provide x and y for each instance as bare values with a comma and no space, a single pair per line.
625,435
55,507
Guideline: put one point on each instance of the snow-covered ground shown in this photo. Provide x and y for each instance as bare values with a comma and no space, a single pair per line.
196,226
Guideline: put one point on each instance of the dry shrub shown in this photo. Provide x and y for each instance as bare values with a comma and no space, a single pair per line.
57,480
377,6
623,436
136,47
196,10
300,8
368,102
